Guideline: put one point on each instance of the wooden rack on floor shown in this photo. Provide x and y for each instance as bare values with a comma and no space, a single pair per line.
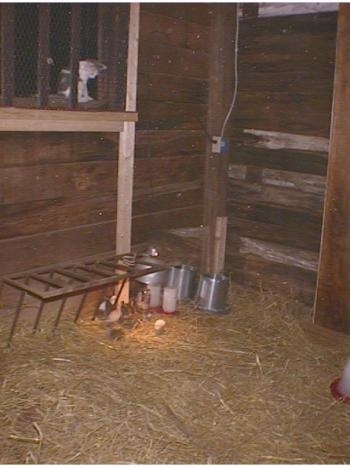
63,280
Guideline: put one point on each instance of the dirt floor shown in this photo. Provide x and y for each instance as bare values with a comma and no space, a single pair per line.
251,386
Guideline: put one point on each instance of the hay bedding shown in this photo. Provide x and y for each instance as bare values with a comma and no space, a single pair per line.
248,387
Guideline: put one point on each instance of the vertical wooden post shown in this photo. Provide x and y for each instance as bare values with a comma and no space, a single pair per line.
127,141
221,89
43,55
332,303
75,53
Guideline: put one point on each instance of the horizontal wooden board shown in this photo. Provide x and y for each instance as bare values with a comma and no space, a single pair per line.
282,159
306,183
51,181
175,196
296,117
171,115
266,275
160,87
144,226
189,12
282,226
251,137
291,81
25,149
159,57
171,30
164,143
55,246
15,119
32,217
255,193
150,173
299,24
279,253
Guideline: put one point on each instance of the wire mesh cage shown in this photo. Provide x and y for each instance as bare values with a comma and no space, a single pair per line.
64,55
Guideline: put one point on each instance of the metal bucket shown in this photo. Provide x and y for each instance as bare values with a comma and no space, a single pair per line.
184,279
212,293
154,278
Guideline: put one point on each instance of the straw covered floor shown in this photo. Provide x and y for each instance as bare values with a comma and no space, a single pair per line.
251,386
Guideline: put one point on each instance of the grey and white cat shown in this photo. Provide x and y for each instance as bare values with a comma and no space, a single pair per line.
88,69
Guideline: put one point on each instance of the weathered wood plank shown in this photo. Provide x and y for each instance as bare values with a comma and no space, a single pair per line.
279,253
256,193
161,58
332,305
283,26
290,160
29,218
311,82
33,217
26,149
306,183
174,31
169,143
289,280
277,9
160,171
20,119
299,115
282,226
56,246
144,226
172,88
178,195
278,140
222,80
50,181
170,115
189,12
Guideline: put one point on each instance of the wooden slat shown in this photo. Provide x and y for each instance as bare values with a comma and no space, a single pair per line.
332,305
43,55
189,12
7,53
127,140
13,119
175,31
74,53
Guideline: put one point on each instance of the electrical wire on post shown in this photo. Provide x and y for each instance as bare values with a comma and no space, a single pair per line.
235,91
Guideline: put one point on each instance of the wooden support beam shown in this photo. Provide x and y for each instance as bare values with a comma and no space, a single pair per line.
127,141
74,53
43,55
332,303
221,89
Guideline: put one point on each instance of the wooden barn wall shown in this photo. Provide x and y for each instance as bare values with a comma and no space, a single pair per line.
172,105
58,190
279,155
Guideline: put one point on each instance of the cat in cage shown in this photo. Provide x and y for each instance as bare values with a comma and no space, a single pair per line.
88,69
